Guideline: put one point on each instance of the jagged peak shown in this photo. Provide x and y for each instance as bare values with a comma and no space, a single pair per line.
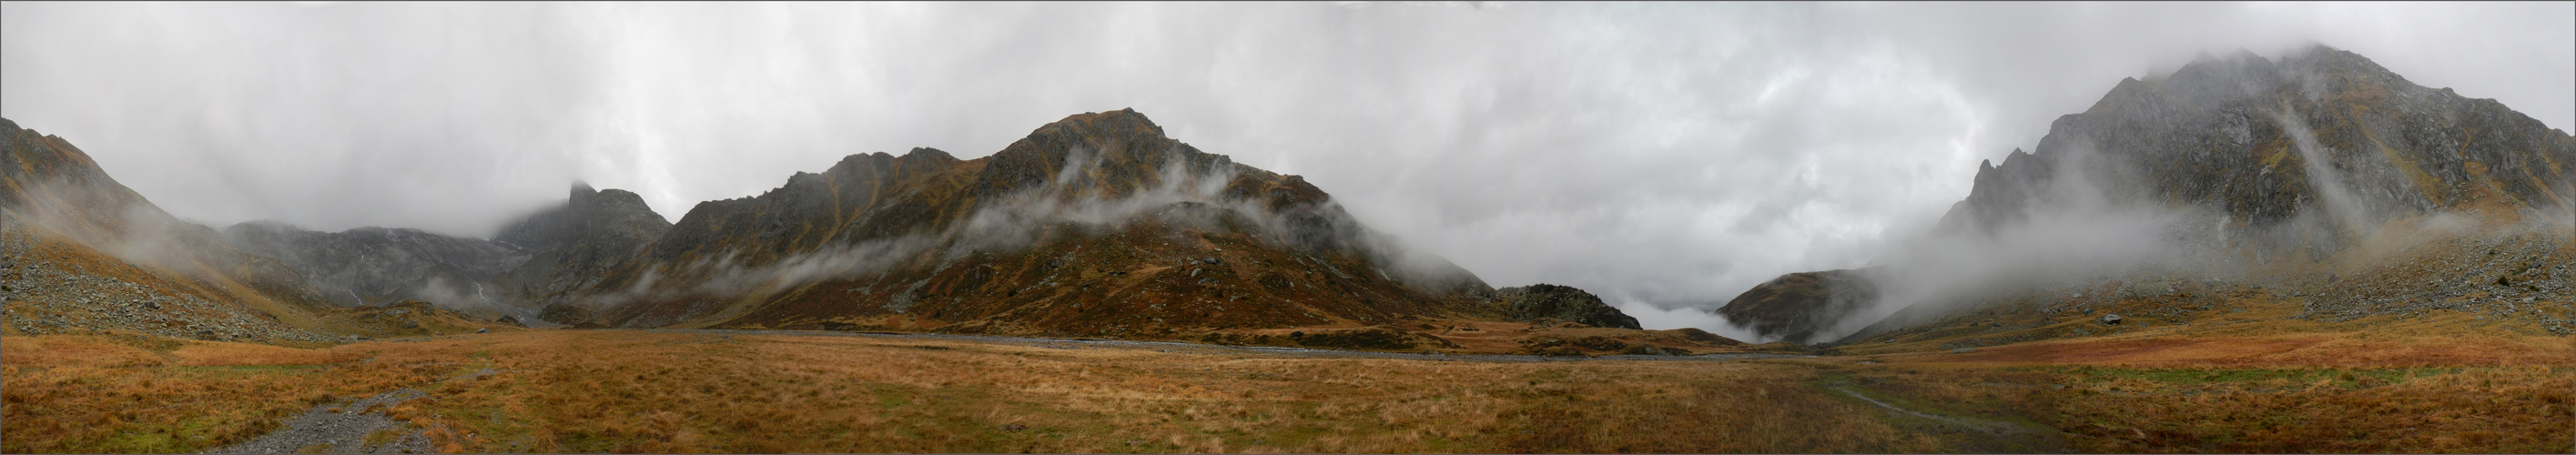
613,194
1103,122
927,153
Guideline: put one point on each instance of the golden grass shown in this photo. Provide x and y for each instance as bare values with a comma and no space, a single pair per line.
630,391
2519,409
2347,350
653,392
591,391
2304,392
91,393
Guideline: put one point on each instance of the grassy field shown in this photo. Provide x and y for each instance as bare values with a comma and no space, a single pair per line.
634,391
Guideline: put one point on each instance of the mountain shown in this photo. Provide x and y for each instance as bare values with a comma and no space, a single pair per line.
2325,140
1097,224
1565,303
376,266
80,252
570,247
533,261
2268,170
1798,305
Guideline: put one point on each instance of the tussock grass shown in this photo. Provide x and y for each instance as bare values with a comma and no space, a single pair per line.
88,393
2515,409
2351,393
627,391
615,391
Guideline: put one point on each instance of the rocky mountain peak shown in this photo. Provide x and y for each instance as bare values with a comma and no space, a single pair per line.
586,213
1102,155
2236,135
2241,160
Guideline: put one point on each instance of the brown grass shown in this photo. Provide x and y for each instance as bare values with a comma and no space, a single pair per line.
620,391
2521,409
2348,350
89,393
592,391
2312,392
626,391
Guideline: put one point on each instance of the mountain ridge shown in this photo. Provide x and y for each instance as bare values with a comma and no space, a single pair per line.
2259,166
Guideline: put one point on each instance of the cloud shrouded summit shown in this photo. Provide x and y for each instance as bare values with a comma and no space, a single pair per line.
1655,154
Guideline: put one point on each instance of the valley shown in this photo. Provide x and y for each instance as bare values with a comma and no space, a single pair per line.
2266,385
2308,254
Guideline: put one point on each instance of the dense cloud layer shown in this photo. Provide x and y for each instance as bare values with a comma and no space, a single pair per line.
1658,155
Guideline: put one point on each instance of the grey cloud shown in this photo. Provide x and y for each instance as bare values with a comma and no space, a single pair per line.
1660,155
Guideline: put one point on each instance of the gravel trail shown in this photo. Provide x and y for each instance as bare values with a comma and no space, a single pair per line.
346,431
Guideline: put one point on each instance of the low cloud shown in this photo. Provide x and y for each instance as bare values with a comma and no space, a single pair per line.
1189,192
1677,153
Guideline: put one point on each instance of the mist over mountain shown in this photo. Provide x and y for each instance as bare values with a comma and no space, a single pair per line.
377,266
2235,167
98,256
1096,224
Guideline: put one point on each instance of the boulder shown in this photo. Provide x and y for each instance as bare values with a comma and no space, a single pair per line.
2110,319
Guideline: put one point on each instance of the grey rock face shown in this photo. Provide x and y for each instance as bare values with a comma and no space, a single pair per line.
374,265
570,246
1530,303
589,215
2298,155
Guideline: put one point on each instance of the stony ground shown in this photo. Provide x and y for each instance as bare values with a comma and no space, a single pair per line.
350,426
43,291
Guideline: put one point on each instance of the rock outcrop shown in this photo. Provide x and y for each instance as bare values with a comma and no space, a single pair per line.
1539,301
1799,306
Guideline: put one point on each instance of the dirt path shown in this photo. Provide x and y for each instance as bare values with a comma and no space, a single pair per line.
1196,348
1979,436
348,426
343,427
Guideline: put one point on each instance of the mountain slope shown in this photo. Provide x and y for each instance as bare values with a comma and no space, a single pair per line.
2242,167
571,247
83,252
1096,224
375,266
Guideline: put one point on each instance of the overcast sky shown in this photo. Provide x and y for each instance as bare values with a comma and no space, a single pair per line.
1661,155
